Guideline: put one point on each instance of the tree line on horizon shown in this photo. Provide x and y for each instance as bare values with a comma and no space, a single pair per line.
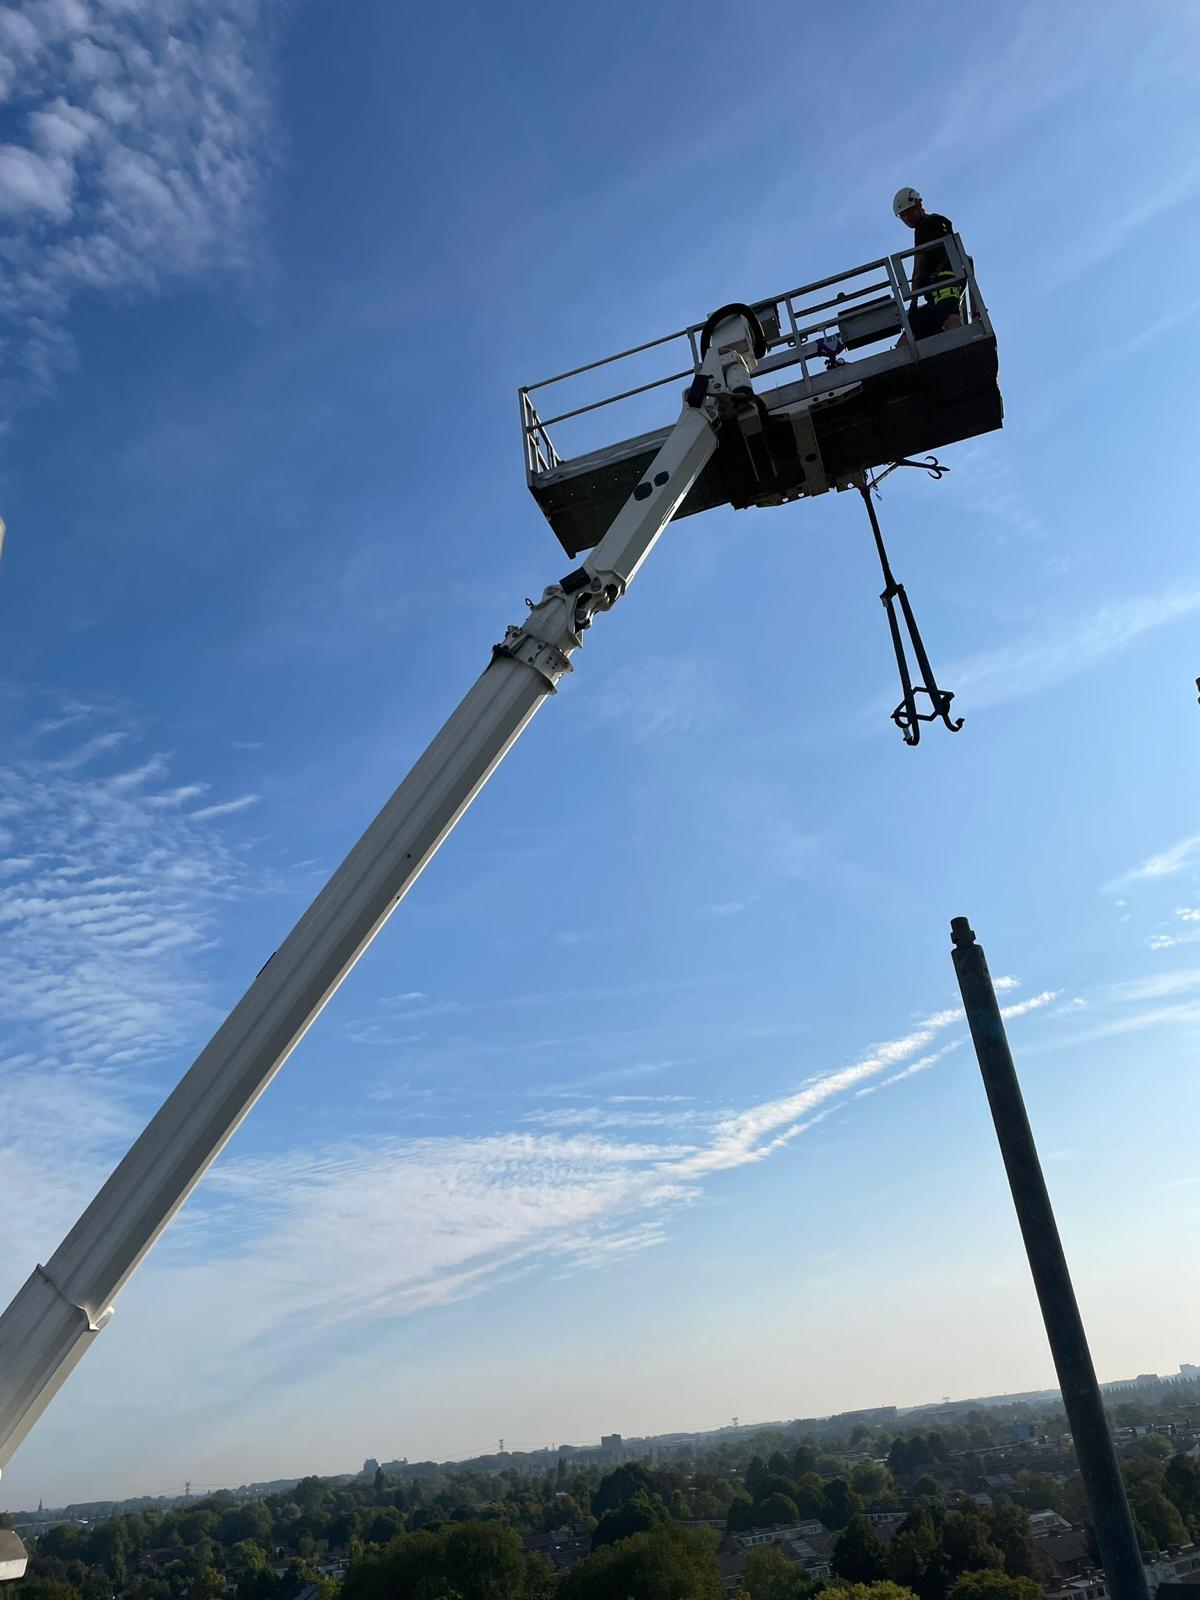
457,1533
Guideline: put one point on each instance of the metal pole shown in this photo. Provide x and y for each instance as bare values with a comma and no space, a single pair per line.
1102,1481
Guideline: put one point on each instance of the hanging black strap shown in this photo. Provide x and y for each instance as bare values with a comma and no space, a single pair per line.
907,717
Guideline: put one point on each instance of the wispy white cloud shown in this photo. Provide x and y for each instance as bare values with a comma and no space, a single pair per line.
1158,985
752,1135
1135,1005
657,1099
1118,223
472,1209
178,796
663,697
107,905
72,712
155,767
224,808
137,151
287,1245
771,824
1169,941
923,1065
1163,865
1021,1007
99,745
614,1115
104,901
1062,648
1113,354
1141,1021
984,483
60,1130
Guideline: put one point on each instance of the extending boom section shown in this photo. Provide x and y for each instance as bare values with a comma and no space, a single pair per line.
65,1304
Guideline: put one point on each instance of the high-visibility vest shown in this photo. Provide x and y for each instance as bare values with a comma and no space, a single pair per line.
950,291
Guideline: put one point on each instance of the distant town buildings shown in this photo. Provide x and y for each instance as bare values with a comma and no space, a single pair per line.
1042,1523
807,1543
1177,1566
1148,1380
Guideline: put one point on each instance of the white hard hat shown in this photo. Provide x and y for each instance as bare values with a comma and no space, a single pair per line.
903,199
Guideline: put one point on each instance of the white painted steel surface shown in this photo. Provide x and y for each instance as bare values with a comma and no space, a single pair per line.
65,1304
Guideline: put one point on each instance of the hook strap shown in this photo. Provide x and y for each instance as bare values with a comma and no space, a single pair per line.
907,716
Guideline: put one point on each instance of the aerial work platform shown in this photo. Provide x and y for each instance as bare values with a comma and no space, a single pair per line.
867,393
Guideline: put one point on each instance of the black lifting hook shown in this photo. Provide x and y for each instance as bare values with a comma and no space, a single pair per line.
906,716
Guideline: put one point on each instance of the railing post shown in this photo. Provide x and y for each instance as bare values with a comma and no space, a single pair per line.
894,280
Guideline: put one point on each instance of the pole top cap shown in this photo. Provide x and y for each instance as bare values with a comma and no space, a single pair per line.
961,932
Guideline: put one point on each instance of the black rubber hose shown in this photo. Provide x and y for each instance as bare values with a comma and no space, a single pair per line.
735,310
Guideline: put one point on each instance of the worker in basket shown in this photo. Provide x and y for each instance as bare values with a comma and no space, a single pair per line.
943,306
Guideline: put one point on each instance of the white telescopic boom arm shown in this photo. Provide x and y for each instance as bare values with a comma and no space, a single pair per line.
65,1304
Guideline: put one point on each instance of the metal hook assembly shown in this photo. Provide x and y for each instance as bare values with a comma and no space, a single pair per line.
931,465
907,717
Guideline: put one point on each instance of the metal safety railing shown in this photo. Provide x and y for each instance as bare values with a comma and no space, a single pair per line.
820,332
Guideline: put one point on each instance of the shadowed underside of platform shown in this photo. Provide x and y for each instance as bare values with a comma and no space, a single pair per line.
863,416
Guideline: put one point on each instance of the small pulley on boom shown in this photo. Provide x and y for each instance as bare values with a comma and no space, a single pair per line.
906,716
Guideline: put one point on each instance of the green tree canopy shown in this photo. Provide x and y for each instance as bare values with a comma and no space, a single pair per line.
65,1541
859,1555
774,1511
620,1485
1157,1520
311,1493
668,1563
197,1525
259,1584
248,1556
993,1585
1155,1446
804,1459
772,1483
916,1557
841,1503
770,1575
967,1543
1041,1492
1010,1532
873,1482
206,1584
638,1515
866,1591
251,1521
809,1496
740,1513
1181,1482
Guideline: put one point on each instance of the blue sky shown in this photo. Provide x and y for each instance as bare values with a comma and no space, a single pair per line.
708,1140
